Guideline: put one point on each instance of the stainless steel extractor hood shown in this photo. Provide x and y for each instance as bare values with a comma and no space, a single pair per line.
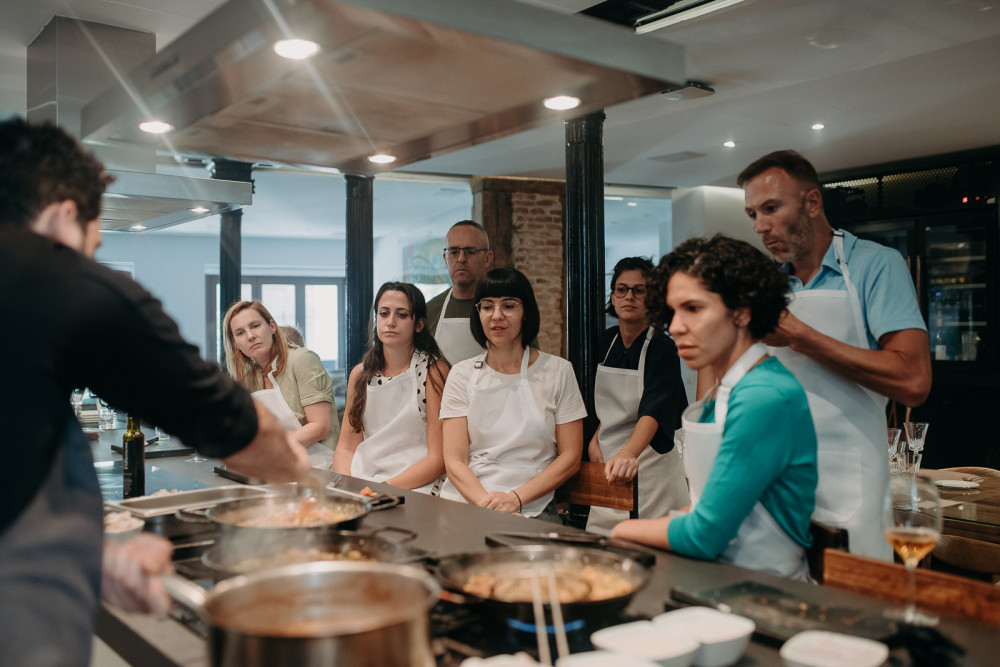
70,61
410,78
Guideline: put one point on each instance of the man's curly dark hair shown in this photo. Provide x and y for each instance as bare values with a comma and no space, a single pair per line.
739,273
40,164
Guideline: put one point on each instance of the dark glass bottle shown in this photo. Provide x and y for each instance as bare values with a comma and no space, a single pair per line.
133,460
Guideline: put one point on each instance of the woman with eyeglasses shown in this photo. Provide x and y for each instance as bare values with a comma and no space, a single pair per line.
750,443
638,398
513,416
391,432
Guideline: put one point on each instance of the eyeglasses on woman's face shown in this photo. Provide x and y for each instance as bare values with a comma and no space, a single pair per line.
621,290
454,251
508,307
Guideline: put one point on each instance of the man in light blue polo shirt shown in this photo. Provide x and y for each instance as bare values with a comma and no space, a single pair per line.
853,336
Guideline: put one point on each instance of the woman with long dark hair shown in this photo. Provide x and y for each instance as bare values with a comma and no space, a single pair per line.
290,380
749,444
513,416
638,398
391,432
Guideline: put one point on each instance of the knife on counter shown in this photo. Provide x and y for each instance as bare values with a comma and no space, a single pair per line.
623,547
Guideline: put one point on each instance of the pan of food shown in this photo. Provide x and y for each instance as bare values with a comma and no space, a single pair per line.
238,556
590,582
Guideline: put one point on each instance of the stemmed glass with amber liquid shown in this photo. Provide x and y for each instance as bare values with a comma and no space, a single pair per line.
913,527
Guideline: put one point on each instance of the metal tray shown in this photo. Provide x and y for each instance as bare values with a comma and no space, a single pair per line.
150,506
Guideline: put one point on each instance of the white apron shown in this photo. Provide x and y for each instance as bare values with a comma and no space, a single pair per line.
617,392
320,456
850,419
395,432
454,336
510,441
760,544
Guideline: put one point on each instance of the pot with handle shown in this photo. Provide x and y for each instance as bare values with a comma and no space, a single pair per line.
329,613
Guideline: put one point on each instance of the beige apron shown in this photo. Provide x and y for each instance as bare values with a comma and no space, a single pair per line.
395,432
617,392
454,336
320,456
761,544
850,419
510,441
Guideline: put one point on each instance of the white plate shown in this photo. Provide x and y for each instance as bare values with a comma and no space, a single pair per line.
956,484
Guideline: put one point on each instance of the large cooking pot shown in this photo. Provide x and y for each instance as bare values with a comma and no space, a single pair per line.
322,614
236,556
454,573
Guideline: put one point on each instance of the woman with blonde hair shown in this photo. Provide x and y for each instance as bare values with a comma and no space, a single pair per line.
288,379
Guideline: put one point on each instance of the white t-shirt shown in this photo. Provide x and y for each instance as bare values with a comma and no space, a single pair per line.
550,379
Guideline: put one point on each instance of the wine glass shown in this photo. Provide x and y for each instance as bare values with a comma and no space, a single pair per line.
893,438
76,400
916,432
912,526
197,458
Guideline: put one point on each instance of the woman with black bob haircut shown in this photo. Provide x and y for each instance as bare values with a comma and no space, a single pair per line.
513,416
749,443
391,431
638,398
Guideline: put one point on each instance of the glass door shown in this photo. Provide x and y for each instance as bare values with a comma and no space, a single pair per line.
958,288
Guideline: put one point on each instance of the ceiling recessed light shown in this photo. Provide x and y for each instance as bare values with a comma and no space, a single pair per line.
137,227
818,126
155,127
296,49
632,203
561,102
613,198
381,158
729,144
199,209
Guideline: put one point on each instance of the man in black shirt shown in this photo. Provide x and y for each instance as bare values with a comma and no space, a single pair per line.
93,327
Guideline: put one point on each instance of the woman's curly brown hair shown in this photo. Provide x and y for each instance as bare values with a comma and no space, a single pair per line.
739,273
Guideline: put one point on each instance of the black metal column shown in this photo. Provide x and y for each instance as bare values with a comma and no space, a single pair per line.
584,250
360,265
230,239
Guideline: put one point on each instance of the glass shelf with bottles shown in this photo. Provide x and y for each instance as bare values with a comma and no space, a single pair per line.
955,332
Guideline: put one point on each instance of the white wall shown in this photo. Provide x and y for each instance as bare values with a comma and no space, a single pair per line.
173,267
710,210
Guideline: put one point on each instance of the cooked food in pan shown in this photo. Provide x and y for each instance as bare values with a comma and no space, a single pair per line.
294,556
572,584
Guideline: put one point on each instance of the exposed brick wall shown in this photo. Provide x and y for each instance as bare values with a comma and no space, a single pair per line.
524,220
537,222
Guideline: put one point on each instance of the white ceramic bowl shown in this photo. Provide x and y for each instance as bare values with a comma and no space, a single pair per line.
122,526
818,648
603,659
723,637
647,640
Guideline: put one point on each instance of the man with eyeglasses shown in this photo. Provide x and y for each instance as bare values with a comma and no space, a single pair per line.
468,257
852,335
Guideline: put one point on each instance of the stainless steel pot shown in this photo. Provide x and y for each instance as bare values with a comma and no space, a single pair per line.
330,613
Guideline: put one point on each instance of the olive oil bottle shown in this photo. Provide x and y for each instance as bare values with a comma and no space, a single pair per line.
133,460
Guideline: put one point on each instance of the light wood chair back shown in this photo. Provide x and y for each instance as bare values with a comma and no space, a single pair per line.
967,554
936,591
590,487
978,472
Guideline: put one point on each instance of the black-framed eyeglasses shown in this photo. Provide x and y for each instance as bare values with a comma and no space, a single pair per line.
621,290
508,307
454,251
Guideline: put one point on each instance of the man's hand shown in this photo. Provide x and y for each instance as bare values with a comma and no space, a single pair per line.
130,574
271,455
788,329
622,468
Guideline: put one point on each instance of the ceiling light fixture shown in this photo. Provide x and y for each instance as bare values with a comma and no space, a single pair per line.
561,102
729,144
156,127
613,198
680,11
137,228
199,209
296,49
818,126
381,158
632,203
